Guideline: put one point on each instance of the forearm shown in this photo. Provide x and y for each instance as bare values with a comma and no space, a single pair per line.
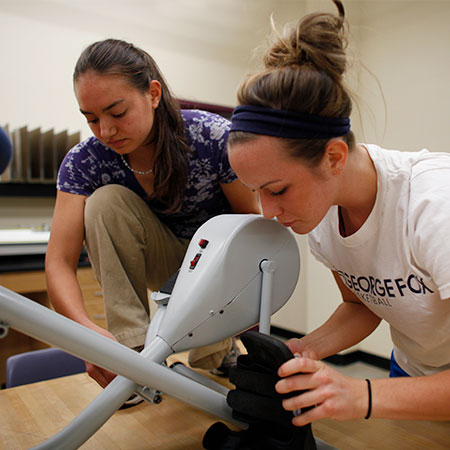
412,398
340,397
349,324
65,293
63,252
67,299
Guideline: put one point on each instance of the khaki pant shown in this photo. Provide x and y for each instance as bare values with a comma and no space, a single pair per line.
131,251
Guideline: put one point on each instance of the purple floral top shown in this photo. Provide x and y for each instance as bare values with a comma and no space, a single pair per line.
90,165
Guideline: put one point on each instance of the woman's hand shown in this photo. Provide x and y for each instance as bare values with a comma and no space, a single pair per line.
300,347
329,394
102,376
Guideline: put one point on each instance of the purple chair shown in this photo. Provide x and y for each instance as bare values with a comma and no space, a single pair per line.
40,365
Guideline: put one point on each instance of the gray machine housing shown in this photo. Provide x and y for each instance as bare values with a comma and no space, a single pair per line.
219,284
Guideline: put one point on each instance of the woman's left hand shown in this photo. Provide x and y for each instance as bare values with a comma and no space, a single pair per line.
328,393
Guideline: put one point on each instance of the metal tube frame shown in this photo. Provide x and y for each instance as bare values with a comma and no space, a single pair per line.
136,371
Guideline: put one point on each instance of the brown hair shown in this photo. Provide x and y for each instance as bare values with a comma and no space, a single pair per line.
303,72
116,57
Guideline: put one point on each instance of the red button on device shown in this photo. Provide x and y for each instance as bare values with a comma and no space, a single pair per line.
203,243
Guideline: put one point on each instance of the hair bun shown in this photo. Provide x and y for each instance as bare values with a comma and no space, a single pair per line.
304,69
317,40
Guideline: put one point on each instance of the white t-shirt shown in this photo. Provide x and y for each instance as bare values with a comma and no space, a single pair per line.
398,262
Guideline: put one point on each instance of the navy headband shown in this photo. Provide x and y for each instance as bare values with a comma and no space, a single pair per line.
287,124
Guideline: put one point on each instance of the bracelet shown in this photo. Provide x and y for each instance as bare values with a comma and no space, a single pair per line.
369,409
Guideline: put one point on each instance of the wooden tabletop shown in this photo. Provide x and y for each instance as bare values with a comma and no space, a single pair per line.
32,413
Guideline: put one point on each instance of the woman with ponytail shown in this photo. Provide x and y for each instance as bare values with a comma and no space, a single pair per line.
377,218
135,193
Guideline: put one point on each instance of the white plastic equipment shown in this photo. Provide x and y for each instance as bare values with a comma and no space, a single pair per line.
238,271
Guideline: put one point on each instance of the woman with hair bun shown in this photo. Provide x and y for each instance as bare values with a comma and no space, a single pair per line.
136,192
377,218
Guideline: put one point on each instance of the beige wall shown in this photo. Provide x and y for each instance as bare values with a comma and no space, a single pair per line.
406,44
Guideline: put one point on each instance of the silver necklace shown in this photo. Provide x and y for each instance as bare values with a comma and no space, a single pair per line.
140,172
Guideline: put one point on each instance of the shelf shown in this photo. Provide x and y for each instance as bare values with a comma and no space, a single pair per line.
27,190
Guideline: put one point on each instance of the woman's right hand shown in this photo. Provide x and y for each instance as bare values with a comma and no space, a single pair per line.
102,376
